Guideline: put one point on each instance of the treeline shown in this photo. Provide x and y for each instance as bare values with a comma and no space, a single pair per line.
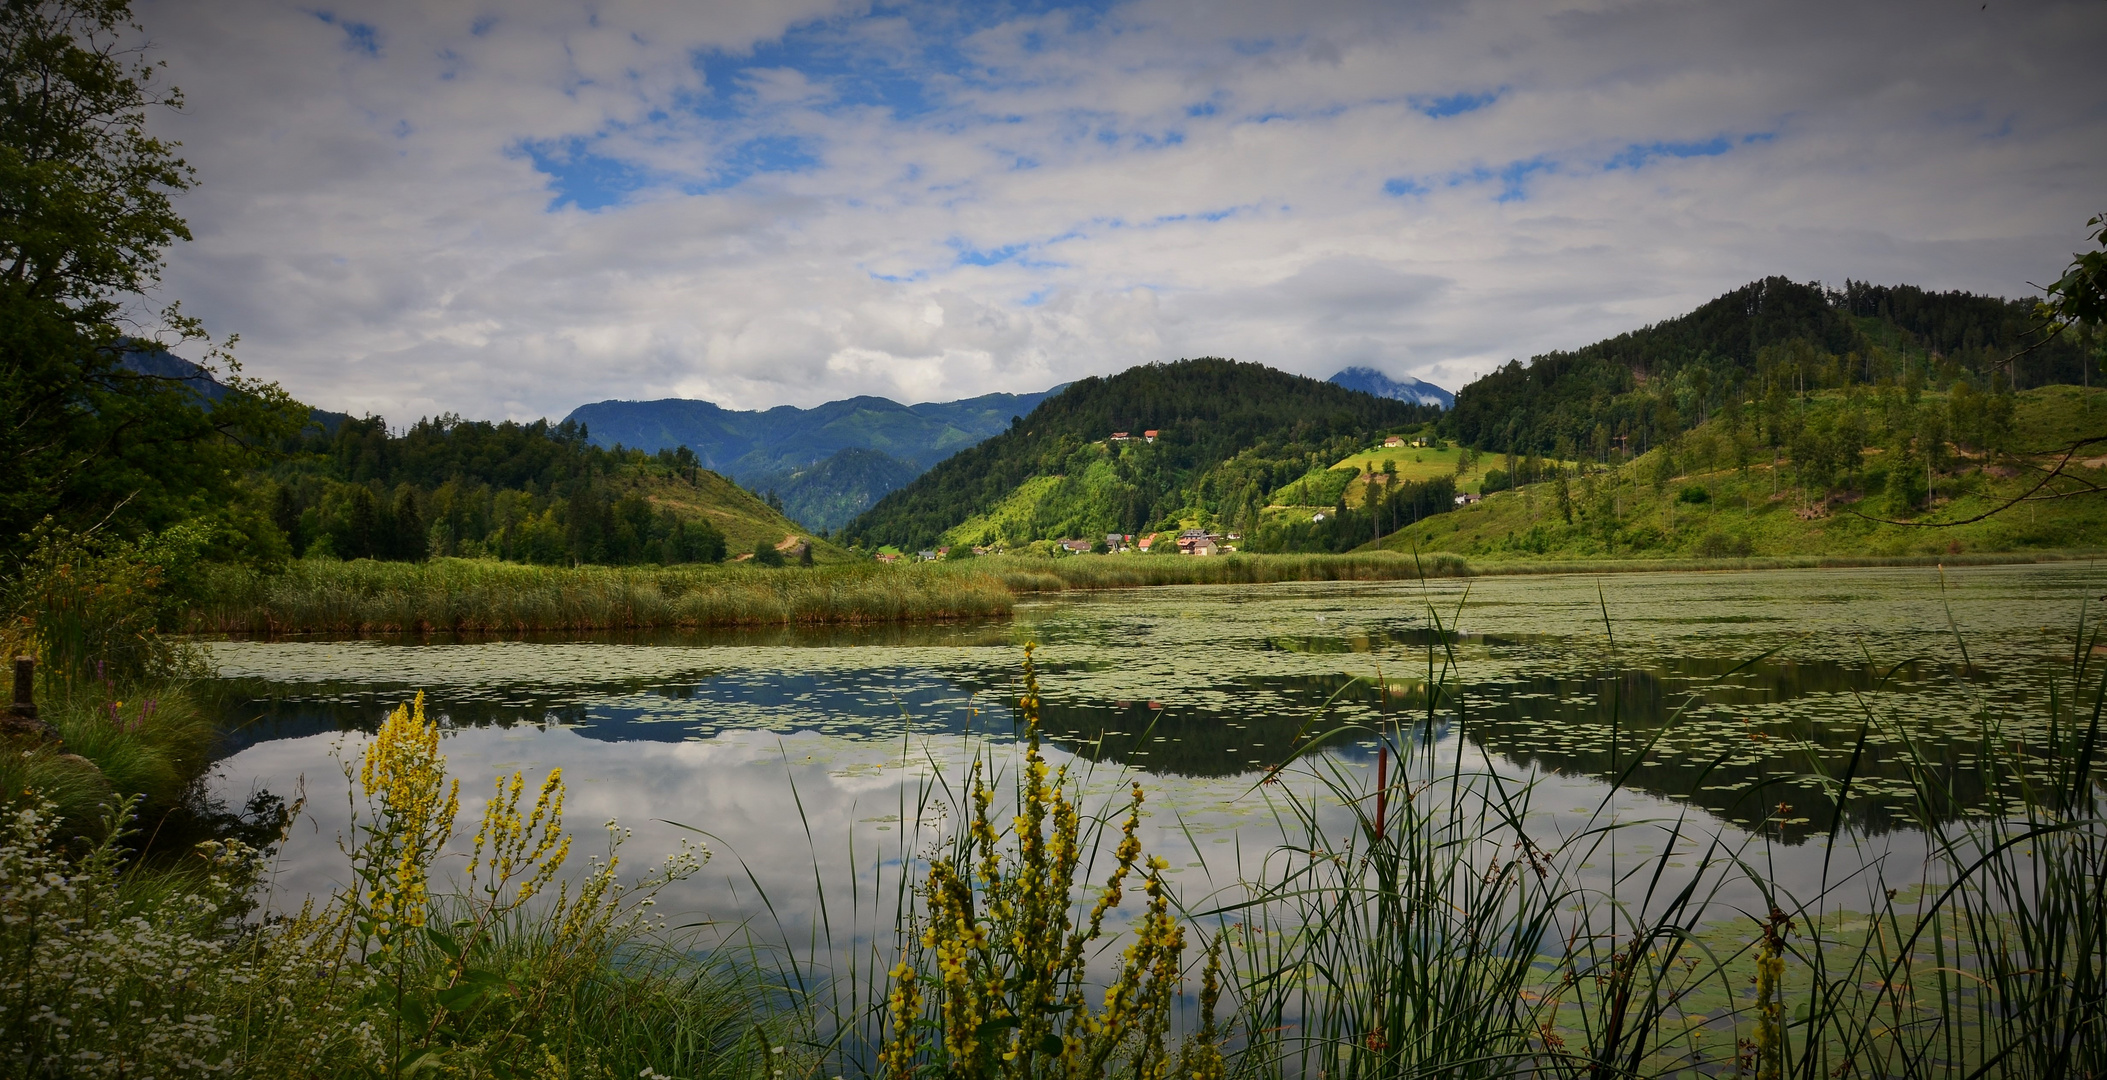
1385,507
1227,433
1619,398
1892,452
538,493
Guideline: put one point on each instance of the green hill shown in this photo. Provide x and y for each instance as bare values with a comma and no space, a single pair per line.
524,492
1845,463
1770,339
1229,433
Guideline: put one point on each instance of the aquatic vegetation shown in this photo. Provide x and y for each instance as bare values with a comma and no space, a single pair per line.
1464,914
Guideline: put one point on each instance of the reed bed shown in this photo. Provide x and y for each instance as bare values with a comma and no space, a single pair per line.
461,595
1439,936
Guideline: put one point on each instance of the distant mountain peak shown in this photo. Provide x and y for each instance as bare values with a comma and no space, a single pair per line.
1371,381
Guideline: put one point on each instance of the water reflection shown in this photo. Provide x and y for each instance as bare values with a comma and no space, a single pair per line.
1214,684
804,751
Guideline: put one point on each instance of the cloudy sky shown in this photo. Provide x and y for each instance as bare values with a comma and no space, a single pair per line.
507,208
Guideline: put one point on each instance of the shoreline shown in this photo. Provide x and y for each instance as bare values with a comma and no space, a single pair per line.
488,599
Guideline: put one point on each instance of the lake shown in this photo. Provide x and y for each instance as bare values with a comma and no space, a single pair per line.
1725,699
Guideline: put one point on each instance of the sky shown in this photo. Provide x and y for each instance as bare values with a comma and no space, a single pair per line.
507,208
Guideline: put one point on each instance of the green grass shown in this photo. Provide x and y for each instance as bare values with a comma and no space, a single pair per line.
150,742
459,595
1419,463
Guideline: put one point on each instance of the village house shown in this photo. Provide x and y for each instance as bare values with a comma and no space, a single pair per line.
1119,436
1198,542
1150,435
1394,440
888,557
1145,541
1076,545
1467,497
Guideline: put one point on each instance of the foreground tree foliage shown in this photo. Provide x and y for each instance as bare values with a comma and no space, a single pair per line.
85,217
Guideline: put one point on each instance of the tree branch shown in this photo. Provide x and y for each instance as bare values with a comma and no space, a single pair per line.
2028,495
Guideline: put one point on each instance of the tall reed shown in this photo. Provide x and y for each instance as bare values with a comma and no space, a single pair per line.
1440,935
461,595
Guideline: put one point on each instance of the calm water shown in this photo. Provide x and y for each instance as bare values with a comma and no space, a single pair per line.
799,751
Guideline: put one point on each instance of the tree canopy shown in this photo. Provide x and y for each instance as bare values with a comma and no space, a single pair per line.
86,215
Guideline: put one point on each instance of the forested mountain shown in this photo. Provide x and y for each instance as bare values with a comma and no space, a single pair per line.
528,492
159,363
830,494
1771,337
756,447
1227,433
1371,381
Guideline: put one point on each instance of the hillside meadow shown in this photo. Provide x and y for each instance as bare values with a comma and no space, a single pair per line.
1713,496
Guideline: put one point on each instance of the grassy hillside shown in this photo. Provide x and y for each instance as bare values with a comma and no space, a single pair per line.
744,519
1715,493
1229,433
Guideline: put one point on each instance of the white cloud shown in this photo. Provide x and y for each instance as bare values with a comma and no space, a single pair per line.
794,191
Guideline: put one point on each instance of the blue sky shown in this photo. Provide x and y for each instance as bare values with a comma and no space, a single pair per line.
507,210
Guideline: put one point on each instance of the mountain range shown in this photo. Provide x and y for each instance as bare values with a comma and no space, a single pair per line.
1155,446
792,452
829,463
1371,381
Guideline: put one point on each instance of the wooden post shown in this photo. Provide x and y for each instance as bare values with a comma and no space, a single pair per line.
25,707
